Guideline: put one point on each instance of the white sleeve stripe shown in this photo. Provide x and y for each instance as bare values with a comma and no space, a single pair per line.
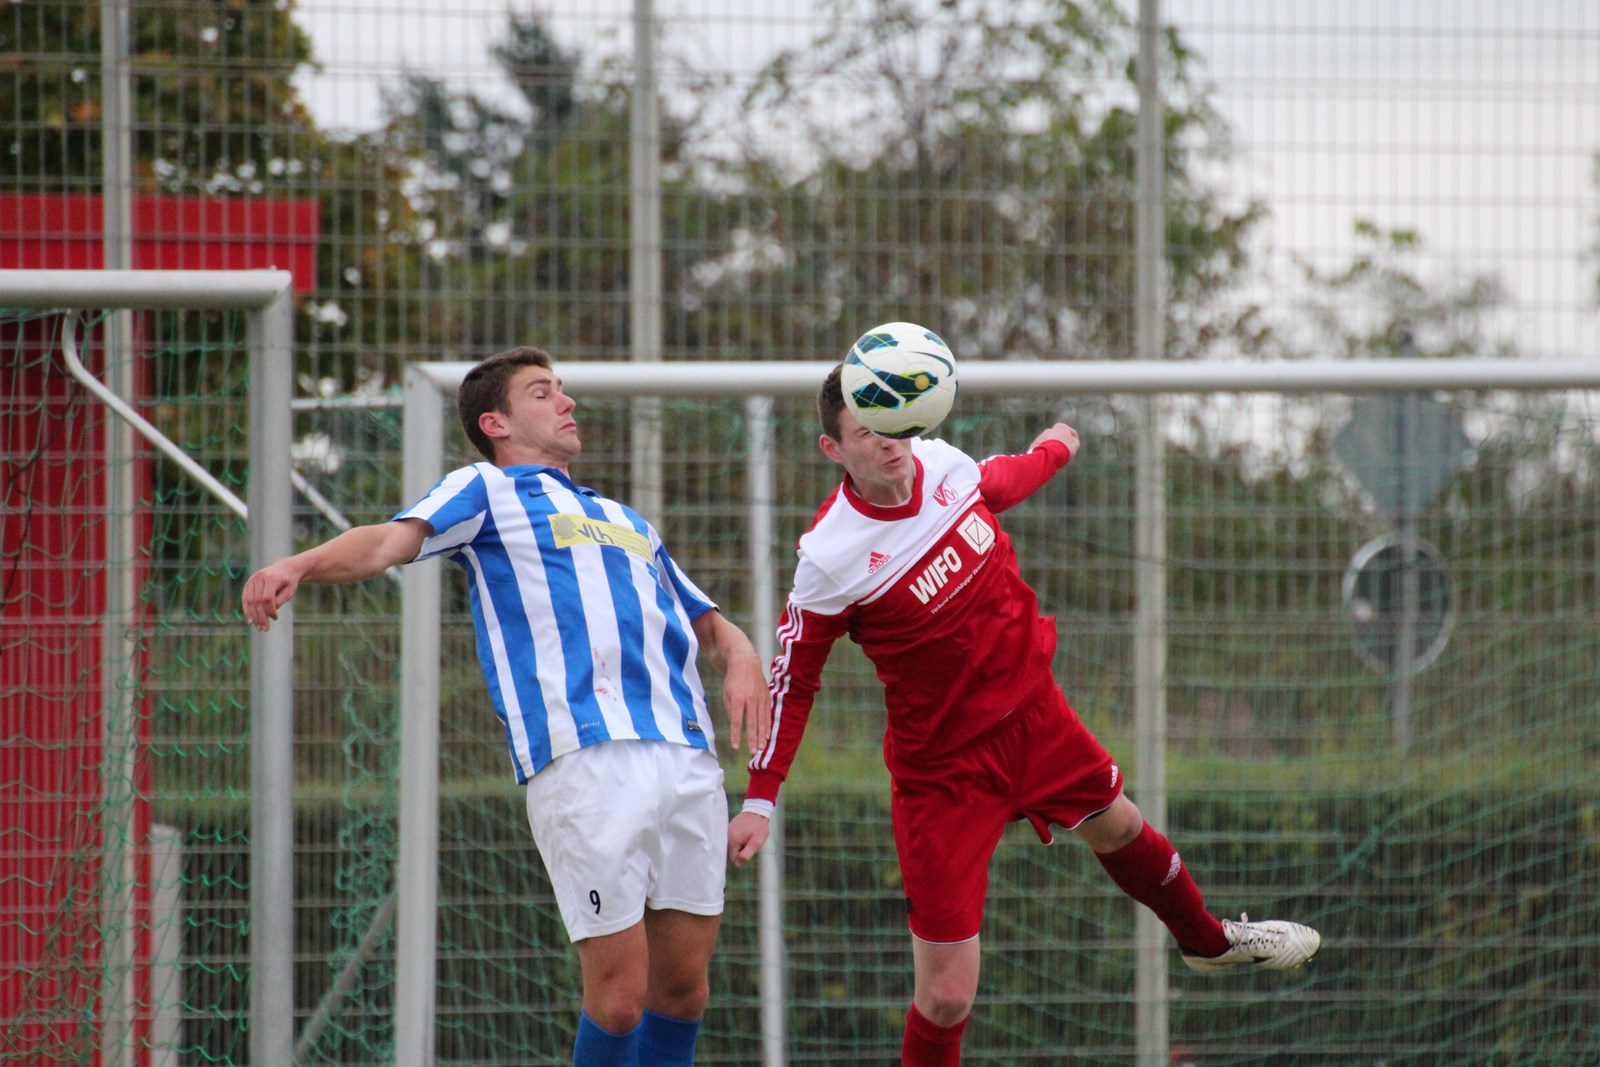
788,633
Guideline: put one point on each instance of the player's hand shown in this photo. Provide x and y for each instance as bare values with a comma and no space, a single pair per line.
746,834
747,700
267,590
1059,432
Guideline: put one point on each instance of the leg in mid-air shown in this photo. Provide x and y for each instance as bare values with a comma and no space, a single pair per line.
634,838
945,846
1070,780
615,977
645,990
1144,865
945,985
680,947
684,911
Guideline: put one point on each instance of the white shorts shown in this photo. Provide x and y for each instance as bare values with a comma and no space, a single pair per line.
626,825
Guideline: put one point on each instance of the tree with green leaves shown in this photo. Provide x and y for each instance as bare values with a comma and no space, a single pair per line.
471,147
1377,304
971,164
214,111
215,114
527,200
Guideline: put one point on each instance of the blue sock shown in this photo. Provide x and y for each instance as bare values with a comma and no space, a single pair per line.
596,1047
665,1041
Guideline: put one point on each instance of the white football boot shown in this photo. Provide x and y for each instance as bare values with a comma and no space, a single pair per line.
1274,945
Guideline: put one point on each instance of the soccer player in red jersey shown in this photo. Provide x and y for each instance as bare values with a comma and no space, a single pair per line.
907,558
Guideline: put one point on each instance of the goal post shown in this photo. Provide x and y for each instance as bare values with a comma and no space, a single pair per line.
426,430
264,296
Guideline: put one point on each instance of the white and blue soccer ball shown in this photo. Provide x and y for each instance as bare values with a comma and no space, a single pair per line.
899,380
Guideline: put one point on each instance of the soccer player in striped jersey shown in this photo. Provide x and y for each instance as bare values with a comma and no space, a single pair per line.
587,635
907,558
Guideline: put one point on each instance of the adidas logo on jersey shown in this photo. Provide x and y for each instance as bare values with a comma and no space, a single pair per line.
876,560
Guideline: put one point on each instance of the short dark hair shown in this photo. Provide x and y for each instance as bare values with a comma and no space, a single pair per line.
487,388
830,401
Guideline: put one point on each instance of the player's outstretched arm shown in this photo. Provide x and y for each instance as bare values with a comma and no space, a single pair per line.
747,832
360,552
744,678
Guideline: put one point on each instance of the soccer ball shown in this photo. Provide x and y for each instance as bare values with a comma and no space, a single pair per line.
899,380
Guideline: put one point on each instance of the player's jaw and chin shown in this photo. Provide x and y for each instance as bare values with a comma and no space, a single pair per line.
882,469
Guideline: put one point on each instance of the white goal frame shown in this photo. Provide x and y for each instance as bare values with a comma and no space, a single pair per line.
266,296
428,384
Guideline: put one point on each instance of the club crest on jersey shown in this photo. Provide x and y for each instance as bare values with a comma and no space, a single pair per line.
572,530
978,534
944,496
876,560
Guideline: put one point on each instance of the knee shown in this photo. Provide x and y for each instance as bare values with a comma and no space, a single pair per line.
680,996
945,1002
1116,827
614,1011
1122,836
615,997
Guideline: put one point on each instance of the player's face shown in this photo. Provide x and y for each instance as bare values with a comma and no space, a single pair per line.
881,468
538,427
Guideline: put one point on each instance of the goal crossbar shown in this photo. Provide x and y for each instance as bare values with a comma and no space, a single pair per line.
1065,378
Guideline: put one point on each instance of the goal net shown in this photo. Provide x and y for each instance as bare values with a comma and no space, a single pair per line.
126,825
1378,636
1434,812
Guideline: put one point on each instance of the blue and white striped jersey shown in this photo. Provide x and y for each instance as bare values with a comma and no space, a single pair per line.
583,618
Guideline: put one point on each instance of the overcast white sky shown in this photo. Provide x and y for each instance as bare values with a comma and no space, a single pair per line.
1475,123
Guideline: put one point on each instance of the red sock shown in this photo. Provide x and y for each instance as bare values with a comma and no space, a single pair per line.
1150,871
929,1045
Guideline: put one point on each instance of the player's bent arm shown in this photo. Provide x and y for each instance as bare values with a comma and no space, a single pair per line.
744,678
805,639
1062,433
359,553
1006,481
720,639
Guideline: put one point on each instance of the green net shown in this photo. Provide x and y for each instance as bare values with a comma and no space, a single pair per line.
124,697
1441,829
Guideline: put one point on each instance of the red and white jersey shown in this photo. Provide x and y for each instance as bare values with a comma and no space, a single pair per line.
931,591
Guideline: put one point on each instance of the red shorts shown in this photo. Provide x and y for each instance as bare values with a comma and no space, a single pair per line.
1041,764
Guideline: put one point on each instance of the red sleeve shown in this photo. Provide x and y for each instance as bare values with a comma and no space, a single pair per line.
804,641
1005,481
